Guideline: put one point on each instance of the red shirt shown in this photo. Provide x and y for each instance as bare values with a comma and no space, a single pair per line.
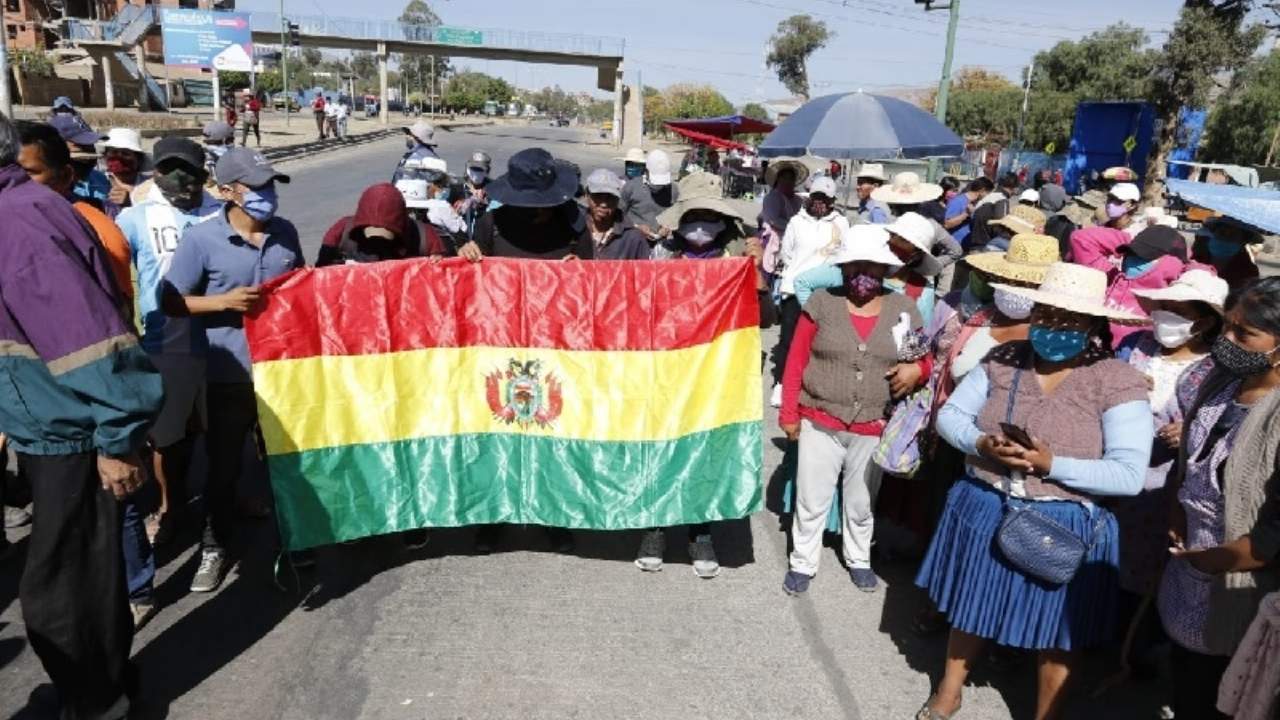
793,376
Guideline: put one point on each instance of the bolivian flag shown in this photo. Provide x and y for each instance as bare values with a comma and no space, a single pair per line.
602,395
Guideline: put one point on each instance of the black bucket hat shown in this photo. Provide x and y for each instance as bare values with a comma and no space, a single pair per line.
534,179
1157,241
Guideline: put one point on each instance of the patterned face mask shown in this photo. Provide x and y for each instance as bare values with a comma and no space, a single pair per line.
1238,361
863,287
1057,345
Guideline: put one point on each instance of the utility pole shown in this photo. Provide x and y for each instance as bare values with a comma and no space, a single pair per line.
944,85
6,102
284,62
433,85
1026,99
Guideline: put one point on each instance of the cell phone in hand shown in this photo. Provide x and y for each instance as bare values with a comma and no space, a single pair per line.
1017,434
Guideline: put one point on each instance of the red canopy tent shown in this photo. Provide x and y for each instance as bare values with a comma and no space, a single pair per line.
723,127
705,139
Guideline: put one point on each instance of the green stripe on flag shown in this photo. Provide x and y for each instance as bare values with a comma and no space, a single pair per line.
458,480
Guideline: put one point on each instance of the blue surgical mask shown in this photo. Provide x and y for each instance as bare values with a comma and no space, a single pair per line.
1057,345
633,170
260,204
1223,249
1135,266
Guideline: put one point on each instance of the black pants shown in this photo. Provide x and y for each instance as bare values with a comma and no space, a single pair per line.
790,312
1196,678
74,600
245,128
233,413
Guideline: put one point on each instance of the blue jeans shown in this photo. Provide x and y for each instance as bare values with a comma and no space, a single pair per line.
139,560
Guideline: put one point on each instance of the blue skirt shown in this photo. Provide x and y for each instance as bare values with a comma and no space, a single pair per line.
981,593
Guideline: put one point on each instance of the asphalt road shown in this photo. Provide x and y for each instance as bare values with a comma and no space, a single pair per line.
378,633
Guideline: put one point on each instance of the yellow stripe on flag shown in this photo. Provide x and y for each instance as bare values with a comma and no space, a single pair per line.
623,396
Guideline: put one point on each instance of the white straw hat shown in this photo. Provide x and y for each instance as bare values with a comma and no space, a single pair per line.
866,243
1077,289
123,139
918,230
777,165
906,189
634,155
874,171
1192,286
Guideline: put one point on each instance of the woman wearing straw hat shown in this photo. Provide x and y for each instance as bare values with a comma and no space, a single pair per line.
907,194
967,324
841,374
1048,427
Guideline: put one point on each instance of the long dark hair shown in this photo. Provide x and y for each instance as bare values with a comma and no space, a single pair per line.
1259,303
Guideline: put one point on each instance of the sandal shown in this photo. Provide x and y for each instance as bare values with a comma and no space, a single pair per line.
928,713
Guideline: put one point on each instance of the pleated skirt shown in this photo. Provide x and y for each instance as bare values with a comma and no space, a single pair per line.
981,593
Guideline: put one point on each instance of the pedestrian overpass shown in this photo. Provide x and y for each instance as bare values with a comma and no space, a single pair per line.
117,36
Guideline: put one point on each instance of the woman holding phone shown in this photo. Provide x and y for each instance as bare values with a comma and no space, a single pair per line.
1048,426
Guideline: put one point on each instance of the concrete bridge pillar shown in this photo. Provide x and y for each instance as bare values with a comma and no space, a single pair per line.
619,97
383,113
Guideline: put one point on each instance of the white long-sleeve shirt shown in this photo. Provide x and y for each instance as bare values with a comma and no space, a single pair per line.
808,243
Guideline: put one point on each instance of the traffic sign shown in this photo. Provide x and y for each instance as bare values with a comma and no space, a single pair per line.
207,39
458,36
1130,143
1048,149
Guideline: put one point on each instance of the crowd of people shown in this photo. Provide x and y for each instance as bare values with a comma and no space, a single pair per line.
1067,403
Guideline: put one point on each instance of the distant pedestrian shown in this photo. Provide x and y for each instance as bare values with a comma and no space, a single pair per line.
218,136
959,215
330,117
475,201
216,274
317,110
645,197
88,395
250,118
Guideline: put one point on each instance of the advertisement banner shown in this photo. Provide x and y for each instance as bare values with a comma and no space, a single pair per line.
207,39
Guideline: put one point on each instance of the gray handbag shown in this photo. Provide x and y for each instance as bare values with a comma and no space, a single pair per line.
1032,542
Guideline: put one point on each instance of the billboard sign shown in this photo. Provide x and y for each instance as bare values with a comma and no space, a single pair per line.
207,39
457,36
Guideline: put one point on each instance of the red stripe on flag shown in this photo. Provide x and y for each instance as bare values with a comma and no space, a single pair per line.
575,305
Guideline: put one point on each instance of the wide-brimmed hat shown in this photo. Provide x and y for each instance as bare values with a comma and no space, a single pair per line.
1027,259
1077,289
219,131
873,171
777,165
422,131
919,231
634,155
1092,198
602,181
698,191
123,139
866,243
1191,286
1119,173
1021,219
906,189
1053,197
535,179
1080,215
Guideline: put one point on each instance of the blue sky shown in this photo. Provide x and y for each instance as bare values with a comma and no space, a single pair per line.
878,44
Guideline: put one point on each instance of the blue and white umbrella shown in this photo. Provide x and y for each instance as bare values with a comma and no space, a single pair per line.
859,126
1252,206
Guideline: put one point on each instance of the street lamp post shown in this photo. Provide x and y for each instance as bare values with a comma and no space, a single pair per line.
284,62
944,85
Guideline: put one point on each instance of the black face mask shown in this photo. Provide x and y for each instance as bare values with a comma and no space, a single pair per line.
1238,361
182,188
82,168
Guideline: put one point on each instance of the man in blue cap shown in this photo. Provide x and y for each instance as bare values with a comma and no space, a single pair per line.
92,185
216,273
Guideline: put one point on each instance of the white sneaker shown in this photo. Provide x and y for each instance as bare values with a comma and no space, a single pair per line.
775,400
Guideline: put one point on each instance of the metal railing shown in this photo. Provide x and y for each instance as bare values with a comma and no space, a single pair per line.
361,29
128,26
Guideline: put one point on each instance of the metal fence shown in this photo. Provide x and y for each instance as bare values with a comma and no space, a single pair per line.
359,29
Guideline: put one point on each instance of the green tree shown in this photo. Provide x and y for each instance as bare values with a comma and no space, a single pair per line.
600,110
1242,127
417,70
553,101
470,90
1209,37
1111,64
312,57
796,38
755,111
683,101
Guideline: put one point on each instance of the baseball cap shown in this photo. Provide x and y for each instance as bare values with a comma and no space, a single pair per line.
1029,195
247,167
634,155
172,147
1157,241
219,130
604,182
123,139
1127,192
480,160
74,129
422,131
824,186
62,102
658,166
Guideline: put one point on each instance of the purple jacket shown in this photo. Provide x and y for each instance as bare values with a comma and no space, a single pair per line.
72,376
